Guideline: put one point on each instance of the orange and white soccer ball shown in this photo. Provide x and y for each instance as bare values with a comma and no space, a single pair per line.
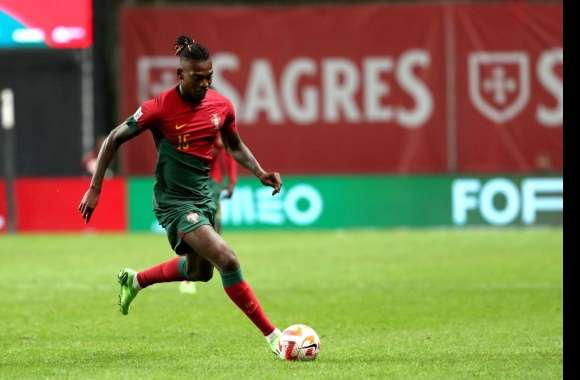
299,342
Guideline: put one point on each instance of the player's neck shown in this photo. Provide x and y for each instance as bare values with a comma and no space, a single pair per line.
186,97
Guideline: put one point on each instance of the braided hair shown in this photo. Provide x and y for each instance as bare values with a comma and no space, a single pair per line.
186,48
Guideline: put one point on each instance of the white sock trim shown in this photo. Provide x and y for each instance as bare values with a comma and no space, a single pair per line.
136,284
273,334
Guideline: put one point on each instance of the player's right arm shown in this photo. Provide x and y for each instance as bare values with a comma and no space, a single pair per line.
114,140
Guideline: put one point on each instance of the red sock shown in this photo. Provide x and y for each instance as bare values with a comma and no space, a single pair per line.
243,296
168,271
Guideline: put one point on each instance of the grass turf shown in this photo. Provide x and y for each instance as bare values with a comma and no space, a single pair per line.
402,304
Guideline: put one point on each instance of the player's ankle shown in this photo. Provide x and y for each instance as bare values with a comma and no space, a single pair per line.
273,334
135,285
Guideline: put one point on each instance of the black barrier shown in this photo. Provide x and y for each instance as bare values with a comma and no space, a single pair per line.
47,91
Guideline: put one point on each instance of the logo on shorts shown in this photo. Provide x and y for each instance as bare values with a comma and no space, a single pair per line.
215,120
193,217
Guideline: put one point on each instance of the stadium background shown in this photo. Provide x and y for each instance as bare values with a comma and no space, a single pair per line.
408,114
397,127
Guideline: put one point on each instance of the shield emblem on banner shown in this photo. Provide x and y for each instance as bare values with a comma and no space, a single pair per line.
499,83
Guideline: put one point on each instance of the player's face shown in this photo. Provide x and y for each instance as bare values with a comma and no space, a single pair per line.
195,78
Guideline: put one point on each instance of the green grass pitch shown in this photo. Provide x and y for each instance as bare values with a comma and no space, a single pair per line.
396,304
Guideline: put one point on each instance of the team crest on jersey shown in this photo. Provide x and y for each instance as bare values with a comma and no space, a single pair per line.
138,114
193,217
215,120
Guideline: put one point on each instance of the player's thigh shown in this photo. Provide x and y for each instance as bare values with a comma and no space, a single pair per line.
206,242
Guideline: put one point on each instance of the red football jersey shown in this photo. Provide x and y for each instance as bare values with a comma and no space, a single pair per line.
191,129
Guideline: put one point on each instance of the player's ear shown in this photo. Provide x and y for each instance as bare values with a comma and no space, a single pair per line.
180,73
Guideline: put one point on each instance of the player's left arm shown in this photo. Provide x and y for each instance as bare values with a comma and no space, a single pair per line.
243,155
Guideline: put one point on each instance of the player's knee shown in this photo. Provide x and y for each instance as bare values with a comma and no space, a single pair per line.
225,258
229,262
191,272
231,265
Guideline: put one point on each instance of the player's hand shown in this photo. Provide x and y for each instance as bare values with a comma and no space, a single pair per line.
273,180
88,204
229,191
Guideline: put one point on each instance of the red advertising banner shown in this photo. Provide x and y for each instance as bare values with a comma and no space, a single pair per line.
325,89
367,88
3,207
509,87
51,205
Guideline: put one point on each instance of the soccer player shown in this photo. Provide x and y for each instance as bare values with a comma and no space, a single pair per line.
185,122
223,164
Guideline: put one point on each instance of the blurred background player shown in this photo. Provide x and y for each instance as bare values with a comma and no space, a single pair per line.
223,165
185,121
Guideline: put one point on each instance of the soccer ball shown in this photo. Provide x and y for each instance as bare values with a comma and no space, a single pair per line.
299,342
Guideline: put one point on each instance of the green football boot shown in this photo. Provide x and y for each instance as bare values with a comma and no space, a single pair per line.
127,293
273,341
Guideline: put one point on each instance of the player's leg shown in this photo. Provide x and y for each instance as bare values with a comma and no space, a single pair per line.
190,266
198,268
209,244
204,268
132,281
187,267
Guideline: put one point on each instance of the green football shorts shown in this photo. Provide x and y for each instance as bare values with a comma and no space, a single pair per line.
187,221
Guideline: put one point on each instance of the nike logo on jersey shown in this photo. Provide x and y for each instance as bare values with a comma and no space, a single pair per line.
178,127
